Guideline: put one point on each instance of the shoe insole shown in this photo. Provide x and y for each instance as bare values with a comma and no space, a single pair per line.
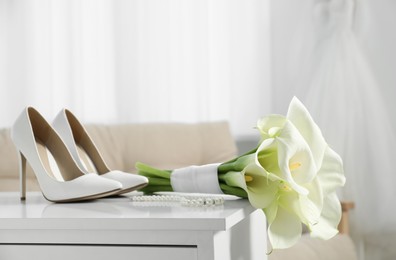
49,161
86,160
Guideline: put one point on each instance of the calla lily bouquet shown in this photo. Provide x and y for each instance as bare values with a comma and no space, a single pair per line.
292,176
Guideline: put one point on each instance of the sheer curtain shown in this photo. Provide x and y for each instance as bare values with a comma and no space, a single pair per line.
136,61
330,70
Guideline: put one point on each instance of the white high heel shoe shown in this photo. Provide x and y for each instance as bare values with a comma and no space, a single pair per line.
59,177
87,155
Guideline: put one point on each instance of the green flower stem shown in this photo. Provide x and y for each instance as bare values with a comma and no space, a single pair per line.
148,170
222,177
154,188
152,175
159,181
237,165
247,153
233,190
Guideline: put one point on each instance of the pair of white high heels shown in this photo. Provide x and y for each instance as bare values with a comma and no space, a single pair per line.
65,160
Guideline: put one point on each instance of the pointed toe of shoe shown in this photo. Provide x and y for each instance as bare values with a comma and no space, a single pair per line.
129,181
87,187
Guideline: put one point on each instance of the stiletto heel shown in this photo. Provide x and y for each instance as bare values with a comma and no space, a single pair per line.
87,155
22,175
59,177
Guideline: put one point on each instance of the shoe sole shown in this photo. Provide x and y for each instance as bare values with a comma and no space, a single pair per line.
131,189
86,198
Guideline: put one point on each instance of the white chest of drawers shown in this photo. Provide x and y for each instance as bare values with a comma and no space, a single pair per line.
117,228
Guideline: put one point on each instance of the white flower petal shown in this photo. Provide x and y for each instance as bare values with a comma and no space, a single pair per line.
285,230
331,174
289,200
271,211
270,125
266,156
235,179
261,191
312,204
292,146
327,227
300,117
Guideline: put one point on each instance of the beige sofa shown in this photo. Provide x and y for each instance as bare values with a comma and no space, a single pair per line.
171,146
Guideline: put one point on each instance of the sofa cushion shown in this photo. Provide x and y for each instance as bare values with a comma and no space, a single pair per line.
167,145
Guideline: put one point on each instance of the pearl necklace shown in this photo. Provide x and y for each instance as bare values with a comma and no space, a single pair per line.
188,201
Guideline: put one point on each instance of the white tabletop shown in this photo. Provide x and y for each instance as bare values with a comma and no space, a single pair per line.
118,213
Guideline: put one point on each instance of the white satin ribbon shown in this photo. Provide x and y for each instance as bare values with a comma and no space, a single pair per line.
198,179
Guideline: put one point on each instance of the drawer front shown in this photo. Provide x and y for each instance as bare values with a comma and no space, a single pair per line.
96,252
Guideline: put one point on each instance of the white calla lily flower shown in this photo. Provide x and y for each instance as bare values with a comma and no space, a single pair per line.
254,180
294,151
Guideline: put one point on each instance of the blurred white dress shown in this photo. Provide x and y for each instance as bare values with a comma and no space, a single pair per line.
337,85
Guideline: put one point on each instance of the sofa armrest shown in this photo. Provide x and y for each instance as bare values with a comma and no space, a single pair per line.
343,227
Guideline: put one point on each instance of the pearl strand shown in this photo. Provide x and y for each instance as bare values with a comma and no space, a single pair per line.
190,201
